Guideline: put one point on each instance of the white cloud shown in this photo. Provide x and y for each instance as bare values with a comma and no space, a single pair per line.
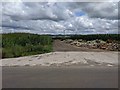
54,18
108,10
36,11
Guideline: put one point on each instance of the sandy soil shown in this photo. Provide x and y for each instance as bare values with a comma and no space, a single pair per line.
70,67
65,58
65,54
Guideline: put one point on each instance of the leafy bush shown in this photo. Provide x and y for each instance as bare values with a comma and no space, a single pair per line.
21,44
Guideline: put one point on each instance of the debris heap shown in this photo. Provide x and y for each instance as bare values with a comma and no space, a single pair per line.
110,45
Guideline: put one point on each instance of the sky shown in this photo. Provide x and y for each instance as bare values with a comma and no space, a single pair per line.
57,17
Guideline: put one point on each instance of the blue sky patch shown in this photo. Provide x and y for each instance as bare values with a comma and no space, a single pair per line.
79,13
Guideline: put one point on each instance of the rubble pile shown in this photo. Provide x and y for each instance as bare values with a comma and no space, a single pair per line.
95,44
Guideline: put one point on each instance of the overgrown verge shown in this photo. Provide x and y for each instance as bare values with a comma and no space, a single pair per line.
22,44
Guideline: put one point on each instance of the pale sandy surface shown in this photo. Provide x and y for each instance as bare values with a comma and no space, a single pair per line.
64,58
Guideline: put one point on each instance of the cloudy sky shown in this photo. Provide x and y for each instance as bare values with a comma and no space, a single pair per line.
55,17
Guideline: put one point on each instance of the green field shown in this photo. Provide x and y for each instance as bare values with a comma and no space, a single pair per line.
22,44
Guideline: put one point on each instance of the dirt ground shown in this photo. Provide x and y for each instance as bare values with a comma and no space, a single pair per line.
100,71
62,46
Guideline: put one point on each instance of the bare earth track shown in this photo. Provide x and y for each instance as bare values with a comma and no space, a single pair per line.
84,68
62,46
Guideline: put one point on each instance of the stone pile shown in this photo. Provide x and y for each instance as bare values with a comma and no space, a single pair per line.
68,41
95,44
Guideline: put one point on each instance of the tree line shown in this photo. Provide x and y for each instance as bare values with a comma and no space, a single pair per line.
104,37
